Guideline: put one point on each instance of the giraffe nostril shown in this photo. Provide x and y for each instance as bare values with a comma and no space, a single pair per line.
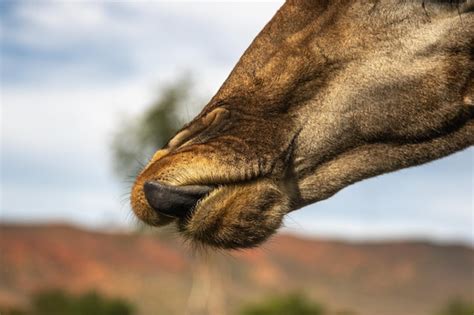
174,201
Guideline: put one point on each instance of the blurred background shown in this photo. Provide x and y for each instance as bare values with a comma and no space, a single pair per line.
89,90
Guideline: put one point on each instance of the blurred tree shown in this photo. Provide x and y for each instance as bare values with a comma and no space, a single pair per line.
457,307
292,304
137,138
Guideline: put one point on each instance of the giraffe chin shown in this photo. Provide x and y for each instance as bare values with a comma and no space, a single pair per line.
237,216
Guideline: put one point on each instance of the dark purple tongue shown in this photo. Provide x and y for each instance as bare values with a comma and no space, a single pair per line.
174,201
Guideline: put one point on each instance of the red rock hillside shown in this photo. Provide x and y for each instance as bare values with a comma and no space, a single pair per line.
162,276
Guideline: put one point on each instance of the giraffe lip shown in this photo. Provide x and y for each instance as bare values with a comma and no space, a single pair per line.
174,201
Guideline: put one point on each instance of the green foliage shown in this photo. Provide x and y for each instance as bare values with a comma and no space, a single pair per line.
11,311
458,307
139,137
57,302
52,302
292,304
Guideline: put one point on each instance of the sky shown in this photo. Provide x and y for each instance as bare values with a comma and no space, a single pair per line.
70,72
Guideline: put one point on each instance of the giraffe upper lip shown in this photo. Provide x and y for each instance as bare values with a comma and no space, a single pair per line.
174,201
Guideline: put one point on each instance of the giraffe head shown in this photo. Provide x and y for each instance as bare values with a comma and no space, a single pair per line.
329,93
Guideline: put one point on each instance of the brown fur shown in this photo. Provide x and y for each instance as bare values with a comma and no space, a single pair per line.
328,94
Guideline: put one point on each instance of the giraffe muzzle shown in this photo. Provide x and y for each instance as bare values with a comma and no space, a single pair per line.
174,201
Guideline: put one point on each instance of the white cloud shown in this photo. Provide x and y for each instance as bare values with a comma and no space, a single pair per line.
79,120
55,16
153,38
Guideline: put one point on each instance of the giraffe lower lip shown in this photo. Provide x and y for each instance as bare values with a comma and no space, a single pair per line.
174,201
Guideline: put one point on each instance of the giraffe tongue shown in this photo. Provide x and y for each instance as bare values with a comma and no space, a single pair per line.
174,201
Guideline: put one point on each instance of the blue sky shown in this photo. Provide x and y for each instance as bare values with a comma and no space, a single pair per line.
71,70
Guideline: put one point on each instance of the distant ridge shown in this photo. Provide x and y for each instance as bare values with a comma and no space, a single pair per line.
155,273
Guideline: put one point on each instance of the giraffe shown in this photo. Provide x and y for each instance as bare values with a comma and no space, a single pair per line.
328,94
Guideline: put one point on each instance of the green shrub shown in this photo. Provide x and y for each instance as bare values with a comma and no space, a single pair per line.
58,302
292,304
458,307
